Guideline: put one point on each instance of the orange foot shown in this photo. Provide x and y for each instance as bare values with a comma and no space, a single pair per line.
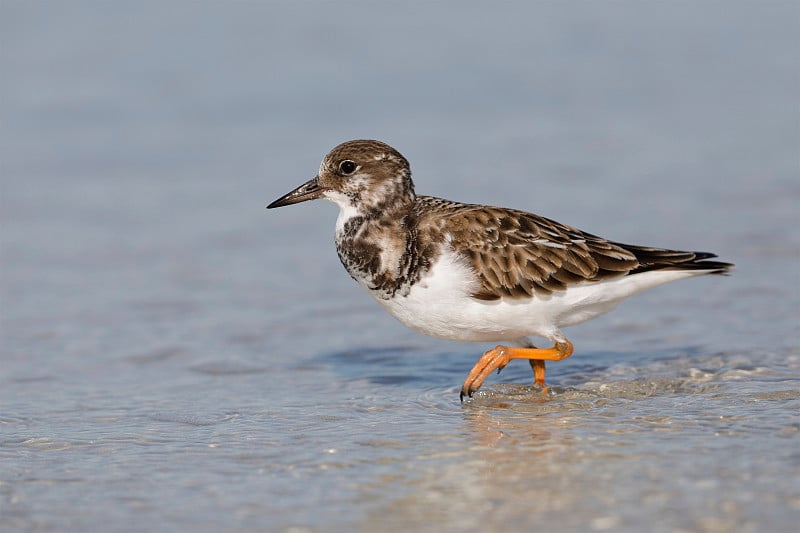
499,356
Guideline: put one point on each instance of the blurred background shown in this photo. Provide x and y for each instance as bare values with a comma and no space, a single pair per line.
175,356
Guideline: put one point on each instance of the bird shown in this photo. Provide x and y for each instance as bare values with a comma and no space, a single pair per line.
469,272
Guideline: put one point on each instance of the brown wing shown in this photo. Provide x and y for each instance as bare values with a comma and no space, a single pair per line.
517,254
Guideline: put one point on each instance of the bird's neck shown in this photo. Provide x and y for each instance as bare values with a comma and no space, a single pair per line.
377,251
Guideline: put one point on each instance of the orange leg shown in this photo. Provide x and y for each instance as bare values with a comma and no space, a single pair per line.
538,371
538,375
499,356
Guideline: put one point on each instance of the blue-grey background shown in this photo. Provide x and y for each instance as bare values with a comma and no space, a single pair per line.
175,357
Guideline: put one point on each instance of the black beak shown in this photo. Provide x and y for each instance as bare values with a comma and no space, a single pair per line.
310,190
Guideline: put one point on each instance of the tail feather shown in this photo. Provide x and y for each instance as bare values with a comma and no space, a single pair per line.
660,259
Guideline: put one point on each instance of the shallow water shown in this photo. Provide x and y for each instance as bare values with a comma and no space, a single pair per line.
175,357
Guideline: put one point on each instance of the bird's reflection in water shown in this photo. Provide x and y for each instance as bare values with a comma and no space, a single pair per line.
513,415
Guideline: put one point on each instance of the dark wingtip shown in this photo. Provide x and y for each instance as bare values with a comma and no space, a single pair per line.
713,267
663,259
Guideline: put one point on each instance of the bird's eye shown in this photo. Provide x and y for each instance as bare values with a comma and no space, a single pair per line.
347,167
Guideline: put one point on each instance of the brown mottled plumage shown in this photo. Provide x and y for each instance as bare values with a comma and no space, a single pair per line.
461,271
518,254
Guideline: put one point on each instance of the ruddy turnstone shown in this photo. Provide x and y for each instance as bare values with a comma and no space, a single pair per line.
473,272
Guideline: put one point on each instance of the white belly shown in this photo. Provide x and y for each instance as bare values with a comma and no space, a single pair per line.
440,304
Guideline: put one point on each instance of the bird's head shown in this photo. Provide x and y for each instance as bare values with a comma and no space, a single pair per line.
369,177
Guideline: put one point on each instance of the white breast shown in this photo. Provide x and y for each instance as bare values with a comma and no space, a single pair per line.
434,304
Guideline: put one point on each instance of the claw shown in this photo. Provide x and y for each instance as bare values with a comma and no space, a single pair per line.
494,359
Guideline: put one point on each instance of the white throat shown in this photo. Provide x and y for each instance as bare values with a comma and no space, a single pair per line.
346,209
